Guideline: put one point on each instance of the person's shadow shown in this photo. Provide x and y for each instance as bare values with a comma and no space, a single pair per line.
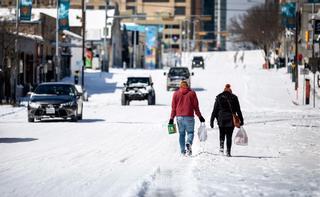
238,156
16,140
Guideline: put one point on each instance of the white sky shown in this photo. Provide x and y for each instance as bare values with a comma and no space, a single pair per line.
238,7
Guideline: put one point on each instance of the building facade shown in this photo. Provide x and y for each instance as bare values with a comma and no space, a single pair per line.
76,4
171,15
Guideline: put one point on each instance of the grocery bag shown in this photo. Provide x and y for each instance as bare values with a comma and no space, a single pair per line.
202,132
172,128
241,137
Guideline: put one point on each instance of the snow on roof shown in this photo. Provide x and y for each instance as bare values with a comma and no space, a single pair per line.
72,34
95,19
34,37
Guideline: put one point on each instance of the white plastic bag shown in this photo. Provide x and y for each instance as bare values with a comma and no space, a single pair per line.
241,137
202,132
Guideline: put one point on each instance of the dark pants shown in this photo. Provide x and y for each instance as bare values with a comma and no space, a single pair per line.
226,131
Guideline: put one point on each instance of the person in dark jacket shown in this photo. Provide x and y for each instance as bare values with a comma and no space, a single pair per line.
225,105
184,105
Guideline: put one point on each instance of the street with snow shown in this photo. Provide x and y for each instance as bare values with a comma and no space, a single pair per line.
126,150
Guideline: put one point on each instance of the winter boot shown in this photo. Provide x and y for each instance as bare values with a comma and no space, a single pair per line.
189,149
221,150
228,154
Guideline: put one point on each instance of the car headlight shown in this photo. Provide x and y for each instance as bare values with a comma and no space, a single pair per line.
34,105
193,63
68,104
201,62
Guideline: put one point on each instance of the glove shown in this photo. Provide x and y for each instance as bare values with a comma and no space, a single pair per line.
201,119
171,121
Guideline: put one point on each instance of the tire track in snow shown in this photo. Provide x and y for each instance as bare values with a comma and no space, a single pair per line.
12,112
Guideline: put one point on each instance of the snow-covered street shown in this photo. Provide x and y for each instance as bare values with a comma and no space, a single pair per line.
126,150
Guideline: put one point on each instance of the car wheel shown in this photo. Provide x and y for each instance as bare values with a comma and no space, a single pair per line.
123,100
30,119
127,102
151,99
74,118
80,115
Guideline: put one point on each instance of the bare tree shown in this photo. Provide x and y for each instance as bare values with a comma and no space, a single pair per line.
260,26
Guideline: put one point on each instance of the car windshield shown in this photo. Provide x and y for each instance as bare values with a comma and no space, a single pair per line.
56,89
179,72
198,58
134,80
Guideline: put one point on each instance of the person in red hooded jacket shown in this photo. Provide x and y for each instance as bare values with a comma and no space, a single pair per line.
184,105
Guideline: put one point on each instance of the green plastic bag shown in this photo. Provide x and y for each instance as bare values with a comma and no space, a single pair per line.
172,128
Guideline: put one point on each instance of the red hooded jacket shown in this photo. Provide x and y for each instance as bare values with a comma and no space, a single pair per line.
184,103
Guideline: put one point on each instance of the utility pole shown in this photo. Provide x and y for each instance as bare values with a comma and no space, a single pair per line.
16,71
219,25
296,71
105,65
57,62
180,37
313,55
83,40
194,33
188,39
135,37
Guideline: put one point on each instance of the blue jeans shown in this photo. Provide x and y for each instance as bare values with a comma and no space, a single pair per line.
185,125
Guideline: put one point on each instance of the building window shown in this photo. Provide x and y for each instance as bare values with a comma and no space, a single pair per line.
90,7
156,1
172,27
131,1
174,37
175,46
180,1
76,6
133,8
102,7
179,10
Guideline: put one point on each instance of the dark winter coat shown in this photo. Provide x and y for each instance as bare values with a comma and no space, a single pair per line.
222,112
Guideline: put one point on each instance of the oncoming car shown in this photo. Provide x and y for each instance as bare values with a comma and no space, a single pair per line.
197,61
55,100
176,75
138,88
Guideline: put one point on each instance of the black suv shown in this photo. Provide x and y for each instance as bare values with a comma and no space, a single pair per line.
55,100
197,61
176,75
138,88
